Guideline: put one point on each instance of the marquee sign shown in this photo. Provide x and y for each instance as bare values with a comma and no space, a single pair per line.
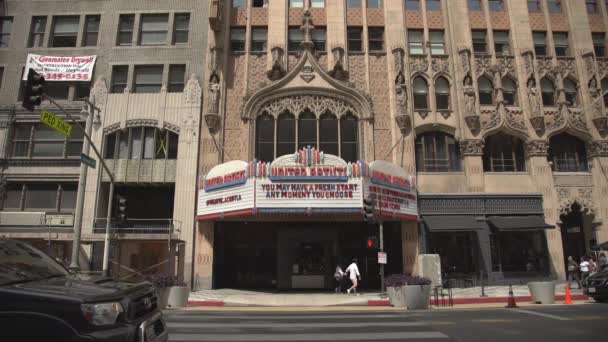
307,181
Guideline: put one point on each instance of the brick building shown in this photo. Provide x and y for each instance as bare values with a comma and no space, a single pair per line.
495,106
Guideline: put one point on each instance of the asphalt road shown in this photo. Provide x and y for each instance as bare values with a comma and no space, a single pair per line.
576,323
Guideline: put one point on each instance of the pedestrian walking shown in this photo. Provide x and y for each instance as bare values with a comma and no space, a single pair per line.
354,275
584,267
338,277
602,262
592,266
573,272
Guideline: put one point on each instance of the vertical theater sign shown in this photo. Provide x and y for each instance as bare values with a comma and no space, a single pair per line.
306,182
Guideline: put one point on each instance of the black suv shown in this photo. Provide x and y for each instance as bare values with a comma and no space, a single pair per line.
596,286
41,301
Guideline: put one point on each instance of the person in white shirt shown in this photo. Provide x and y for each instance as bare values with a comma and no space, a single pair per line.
584,266
354,275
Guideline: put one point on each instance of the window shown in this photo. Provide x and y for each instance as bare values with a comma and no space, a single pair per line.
554,6
37,31
474,5
479,41
83,89
442,94
592,7
318,38
119,81
264,128
353,4
1,76
509,91
501,43
177,76
259,37
605,92
153,29
349,136
534,6
421,94
567,154
437,152
376,38
12,199
141,143
503,153
125,29
374,3
40,141
41,197
486,90
415,42
65,31
354,39
412,5
181,28
296,3
148,78
561,43
328,134
239,3
237,39
295,39
496,5
540,43
260,3
570,93
599,44
91,30
436,43
307,130
547,90
433,5
286,134
6,27
317,3
58,90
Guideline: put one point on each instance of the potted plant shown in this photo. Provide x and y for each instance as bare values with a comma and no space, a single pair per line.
172,292
408,291
542,292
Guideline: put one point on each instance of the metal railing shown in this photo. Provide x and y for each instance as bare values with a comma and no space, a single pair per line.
136,226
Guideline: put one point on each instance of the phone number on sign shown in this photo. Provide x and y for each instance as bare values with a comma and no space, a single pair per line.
69,77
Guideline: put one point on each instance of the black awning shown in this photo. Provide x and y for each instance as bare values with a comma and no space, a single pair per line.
451,223
511,223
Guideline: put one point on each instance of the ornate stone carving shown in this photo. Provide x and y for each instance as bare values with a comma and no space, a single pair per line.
469,96
596,94
493,122
307,28
581,196
598,148
308,74
474,123
404,122
538,123
214,95
418,64
338,71
440,65
465,59
471,147
278,70
528,58
506,65
558,120
401,94
398,60
214,59
213,120
566,66
483,64
544,65
537,148
141,122
533,98
602,67
171,127
111,128
514,119
99,93
601,124
316,104
192,92
577,121
589,63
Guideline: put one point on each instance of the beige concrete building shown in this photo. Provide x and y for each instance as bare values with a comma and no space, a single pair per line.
496,107
147,89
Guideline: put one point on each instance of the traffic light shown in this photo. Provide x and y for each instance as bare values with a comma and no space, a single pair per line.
34,90
369,203
372,242
121,207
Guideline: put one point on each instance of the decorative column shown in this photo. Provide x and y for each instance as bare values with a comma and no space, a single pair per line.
472,153
598,152
542,177
203,277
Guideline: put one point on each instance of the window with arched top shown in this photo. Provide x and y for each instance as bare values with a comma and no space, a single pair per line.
509,91
567,154
421,94
437,152
307,130
286,134
605,92
486,90
264,130
328,134
570,93
349,138
547,91
503,153
442,94
141,143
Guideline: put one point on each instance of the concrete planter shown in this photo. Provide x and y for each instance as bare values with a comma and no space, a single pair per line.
417,296
177,296
542,292
397,296
163,297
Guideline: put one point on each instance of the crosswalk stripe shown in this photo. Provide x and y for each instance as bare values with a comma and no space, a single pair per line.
295,325
405,335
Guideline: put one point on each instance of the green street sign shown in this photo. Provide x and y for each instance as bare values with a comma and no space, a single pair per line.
86,160
56,123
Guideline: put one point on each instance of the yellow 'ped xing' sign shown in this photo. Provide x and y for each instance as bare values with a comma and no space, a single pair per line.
56,123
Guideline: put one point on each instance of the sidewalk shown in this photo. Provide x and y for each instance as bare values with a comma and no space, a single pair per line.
461,296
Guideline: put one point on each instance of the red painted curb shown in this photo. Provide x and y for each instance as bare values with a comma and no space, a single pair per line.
205,303
378,302
490,300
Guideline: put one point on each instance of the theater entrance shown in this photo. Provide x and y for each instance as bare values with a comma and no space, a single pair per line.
299,255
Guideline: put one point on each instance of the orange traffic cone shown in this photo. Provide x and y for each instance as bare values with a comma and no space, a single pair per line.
568,298
511,302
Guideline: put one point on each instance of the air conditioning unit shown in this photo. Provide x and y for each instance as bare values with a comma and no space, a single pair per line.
215,15
58,220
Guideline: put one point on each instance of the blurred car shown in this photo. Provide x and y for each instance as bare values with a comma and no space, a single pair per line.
596,286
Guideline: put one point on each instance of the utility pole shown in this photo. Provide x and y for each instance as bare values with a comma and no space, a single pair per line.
381,228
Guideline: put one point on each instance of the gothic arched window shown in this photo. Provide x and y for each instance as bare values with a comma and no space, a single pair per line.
307,130
570,93
567,154
442,94
328,134
503,153
349,136
547,90
509,91
141,143
286,134
421,94
437,152
264,130
486,90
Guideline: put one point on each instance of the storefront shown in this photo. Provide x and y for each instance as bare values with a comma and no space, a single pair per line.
287,224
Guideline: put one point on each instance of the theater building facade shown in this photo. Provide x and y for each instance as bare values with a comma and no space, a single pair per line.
480,126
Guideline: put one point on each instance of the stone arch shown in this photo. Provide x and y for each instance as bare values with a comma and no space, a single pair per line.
435,127
296,101
583,197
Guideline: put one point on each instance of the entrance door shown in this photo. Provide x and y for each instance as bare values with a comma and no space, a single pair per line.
573,234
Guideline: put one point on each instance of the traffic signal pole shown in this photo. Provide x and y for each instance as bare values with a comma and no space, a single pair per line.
381,228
